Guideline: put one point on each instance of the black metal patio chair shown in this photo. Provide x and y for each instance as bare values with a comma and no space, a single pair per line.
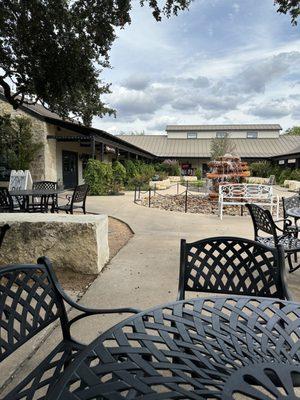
3,229
43,203
6,202
32,299
75,201
263,222
288,203
232,265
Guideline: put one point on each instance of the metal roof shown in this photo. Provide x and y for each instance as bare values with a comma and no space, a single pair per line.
40,112
161,146
240,127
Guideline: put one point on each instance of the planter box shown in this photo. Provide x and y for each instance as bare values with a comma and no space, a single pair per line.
77,242
160,185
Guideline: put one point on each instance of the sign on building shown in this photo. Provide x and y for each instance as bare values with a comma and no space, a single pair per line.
20,180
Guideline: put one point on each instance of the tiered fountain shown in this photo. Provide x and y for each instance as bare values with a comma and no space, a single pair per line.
227,169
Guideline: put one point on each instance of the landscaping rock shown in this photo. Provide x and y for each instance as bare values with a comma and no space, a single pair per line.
77,242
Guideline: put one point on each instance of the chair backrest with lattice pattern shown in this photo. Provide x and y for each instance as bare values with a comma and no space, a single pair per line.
231,265
6,201
44,185
80,193
262,221
290,202
29,302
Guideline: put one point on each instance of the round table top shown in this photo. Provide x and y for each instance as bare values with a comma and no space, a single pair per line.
35,192
207,348
294,212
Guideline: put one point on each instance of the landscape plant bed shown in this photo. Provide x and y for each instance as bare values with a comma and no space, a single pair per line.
195,204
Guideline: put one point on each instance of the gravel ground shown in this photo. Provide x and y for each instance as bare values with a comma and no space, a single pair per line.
195,204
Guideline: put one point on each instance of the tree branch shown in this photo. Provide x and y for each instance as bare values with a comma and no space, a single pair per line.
8,94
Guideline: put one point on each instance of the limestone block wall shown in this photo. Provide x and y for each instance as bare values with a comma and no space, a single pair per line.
76,242
37,167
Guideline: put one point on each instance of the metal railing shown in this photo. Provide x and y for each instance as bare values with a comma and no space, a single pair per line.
149,194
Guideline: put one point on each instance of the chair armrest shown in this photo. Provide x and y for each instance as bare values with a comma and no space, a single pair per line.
287,223
92,311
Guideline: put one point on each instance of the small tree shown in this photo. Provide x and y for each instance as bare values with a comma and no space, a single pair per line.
17,144
294,131
221,146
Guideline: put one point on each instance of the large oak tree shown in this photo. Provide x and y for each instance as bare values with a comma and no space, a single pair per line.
54,50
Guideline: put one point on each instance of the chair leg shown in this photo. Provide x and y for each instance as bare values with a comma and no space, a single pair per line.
292,269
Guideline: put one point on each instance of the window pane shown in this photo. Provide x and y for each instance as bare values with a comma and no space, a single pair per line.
220,135
252,135
192,135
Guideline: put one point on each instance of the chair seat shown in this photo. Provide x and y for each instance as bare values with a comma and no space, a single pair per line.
42,378
67,207
290,243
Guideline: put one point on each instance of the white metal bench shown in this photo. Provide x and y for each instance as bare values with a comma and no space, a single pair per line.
242,193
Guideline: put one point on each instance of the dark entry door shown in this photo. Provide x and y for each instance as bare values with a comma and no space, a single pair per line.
70,172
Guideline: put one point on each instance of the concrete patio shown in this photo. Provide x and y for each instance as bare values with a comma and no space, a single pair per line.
143,273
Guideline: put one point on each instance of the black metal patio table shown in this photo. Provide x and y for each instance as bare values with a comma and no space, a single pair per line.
294,212
24,195
229,347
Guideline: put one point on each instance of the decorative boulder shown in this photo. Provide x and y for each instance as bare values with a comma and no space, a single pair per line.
77,242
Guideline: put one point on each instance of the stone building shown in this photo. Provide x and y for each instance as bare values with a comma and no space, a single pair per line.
66,146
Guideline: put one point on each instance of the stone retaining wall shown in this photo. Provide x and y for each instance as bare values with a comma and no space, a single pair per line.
77,242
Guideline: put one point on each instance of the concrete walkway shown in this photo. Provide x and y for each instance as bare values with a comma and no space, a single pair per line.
145,271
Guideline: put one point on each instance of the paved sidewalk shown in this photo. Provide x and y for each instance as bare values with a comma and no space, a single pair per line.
145,271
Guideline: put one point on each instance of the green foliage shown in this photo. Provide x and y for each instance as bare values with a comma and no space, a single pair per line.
284,175
171,167
289,6
99,177
119,176
17,145
294,131
262,169
54,50
198,174
295,175
221,146
131,170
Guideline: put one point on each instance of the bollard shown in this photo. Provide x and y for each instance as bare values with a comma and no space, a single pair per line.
186,197
149,197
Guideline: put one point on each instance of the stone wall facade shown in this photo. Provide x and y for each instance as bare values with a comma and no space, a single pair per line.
39,127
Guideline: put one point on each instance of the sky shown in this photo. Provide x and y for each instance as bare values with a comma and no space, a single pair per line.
220,62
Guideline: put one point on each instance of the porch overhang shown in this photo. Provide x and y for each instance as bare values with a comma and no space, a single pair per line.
95,137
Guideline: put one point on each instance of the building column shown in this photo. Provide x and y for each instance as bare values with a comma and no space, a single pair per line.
101,152
93,147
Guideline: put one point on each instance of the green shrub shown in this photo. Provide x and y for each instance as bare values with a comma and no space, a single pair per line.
295,175
171,167
99,177
119,176
284,175
262,169
131,170
198,174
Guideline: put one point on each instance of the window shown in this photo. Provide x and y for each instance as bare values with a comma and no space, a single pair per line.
221,135
192,135
252,135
